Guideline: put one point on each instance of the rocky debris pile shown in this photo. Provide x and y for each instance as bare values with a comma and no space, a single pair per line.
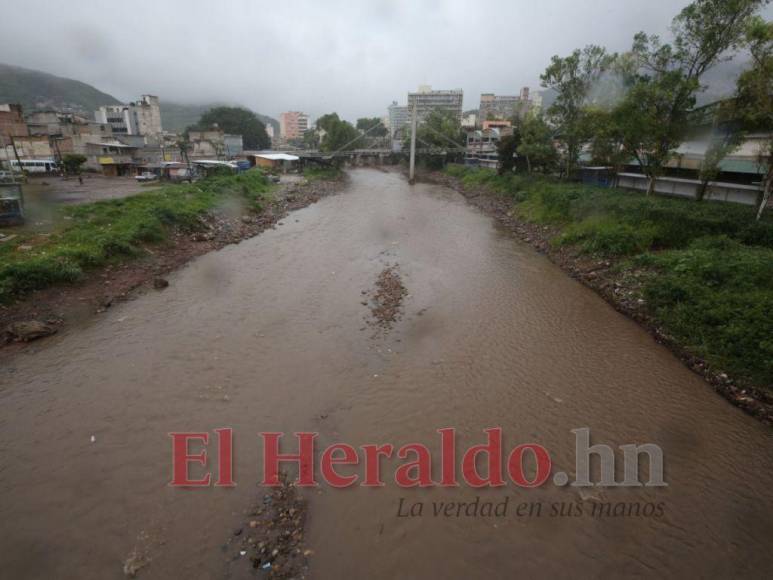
387,297
270,541
28,330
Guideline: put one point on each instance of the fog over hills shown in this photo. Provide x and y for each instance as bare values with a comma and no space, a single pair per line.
37,90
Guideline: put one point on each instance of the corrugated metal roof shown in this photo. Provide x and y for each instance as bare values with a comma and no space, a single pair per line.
277,156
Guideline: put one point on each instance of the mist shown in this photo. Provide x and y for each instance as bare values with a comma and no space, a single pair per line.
351,57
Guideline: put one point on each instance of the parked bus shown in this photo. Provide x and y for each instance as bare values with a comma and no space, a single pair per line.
35,165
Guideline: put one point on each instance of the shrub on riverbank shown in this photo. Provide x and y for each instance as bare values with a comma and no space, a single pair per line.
94,234
707,268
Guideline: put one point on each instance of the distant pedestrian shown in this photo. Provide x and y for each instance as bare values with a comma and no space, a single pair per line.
80,179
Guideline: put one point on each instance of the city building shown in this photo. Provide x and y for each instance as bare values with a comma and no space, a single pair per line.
469,121
117,116
498,106
293,124
214,143
147,115
426,100
505,106
139,118
11,123
399,117
496,124
111,156
482,147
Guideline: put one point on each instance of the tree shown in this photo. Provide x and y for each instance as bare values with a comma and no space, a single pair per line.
727,135
572,78
338,135
374,127
439,130
753,95
238,121
537,145
666,78
507,148
72,163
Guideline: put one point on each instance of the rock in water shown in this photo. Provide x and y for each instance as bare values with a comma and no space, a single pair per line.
29,330
160,283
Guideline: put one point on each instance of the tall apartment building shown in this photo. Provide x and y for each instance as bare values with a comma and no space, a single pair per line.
399,117
426,100
504,106
497,106
139,118
293,124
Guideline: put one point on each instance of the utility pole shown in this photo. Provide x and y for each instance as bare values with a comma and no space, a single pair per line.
413,144
18,161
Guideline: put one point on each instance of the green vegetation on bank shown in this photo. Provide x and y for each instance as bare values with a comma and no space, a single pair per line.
706,269
96,234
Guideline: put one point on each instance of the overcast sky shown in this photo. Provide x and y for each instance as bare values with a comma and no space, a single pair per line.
317,56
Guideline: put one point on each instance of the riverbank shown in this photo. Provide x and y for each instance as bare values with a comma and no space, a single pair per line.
699,278
101,252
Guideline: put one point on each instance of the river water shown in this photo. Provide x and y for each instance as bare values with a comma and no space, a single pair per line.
271,335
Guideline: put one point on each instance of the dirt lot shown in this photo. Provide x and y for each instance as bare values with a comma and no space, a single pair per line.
43,194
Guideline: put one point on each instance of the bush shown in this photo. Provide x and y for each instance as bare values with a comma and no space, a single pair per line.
716,298
35,274
608,237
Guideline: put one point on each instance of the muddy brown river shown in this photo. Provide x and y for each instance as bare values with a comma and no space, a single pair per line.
271,335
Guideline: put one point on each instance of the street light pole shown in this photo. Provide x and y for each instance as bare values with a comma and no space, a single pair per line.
413,144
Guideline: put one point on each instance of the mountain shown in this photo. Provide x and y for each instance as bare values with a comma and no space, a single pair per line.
37,90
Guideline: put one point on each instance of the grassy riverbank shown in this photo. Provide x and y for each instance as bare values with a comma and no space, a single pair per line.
703,271
92,235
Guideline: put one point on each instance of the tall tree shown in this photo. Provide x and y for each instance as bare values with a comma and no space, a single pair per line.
373,126
754,96
338,135
727,135
572,78
537,145
667,77
507,148
238,121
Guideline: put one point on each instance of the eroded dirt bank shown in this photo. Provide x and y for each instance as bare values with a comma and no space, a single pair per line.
620,289
44,312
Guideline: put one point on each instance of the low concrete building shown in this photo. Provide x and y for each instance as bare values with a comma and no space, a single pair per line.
482,147
215,143
29,147
112,158
678,187
272,161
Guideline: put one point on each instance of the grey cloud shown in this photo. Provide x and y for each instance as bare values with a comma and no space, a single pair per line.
348,56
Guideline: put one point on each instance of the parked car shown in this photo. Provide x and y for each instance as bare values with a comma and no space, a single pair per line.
146,176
